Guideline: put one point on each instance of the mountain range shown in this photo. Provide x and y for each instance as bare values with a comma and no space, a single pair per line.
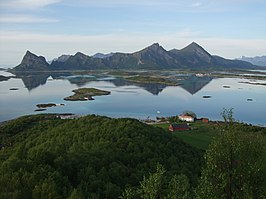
153,57
258,60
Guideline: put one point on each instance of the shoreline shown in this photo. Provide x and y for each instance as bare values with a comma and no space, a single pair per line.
75,116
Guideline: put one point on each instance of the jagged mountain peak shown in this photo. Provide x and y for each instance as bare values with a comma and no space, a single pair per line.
195,54
194,44
194,47
80,54
29,53
31,61
154,46
31,56
155,56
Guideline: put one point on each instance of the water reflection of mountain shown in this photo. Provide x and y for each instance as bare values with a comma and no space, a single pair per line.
32,80
193,84
153,88
3,78
80,81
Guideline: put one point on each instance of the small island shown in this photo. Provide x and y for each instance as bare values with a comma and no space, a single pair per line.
40,109
84,94
43,106
13,89
226,86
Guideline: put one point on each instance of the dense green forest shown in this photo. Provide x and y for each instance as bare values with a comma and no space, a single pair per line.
92,157
43,156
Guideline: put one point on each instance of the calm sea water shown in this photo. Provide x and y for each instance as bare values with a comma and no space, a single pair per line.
134,100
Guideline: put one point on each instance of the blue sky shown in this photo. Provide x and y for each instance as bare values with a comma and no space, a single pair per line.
230,28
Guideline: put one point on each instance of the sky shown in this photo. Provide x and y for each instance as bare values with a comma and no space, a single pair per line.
229,28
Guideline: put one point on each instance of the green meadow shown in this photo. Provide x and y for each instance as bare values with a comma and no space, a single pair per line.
200,135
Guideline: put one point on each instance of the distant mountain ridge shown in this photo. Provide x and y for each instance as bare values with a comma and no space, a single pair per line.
62,58
258,60
102,56
153,57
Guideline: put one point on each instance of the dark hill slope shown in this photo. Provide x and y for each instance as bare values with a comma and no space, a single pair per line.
90,157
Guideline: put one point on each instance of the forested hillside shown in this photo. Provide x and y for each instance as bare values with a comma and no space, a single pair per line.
43,156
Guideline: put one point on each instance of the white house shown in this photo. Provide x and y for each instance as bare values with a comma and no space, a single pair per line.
186,118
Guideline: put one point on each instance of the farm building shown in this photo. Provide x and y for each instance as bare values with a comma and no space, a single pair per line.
205,120
186,118
178,127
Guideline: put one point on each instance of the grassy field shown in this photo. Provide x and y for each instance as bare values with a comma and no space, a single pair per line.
200,136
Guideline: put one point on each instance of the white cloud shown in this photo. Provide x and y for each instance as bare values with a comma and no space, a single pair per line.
25,19
155,3
151,4
196,4
26,4
206,6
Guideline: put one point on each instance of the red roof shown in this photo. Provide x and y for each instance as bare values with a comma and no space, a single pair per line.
178,127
